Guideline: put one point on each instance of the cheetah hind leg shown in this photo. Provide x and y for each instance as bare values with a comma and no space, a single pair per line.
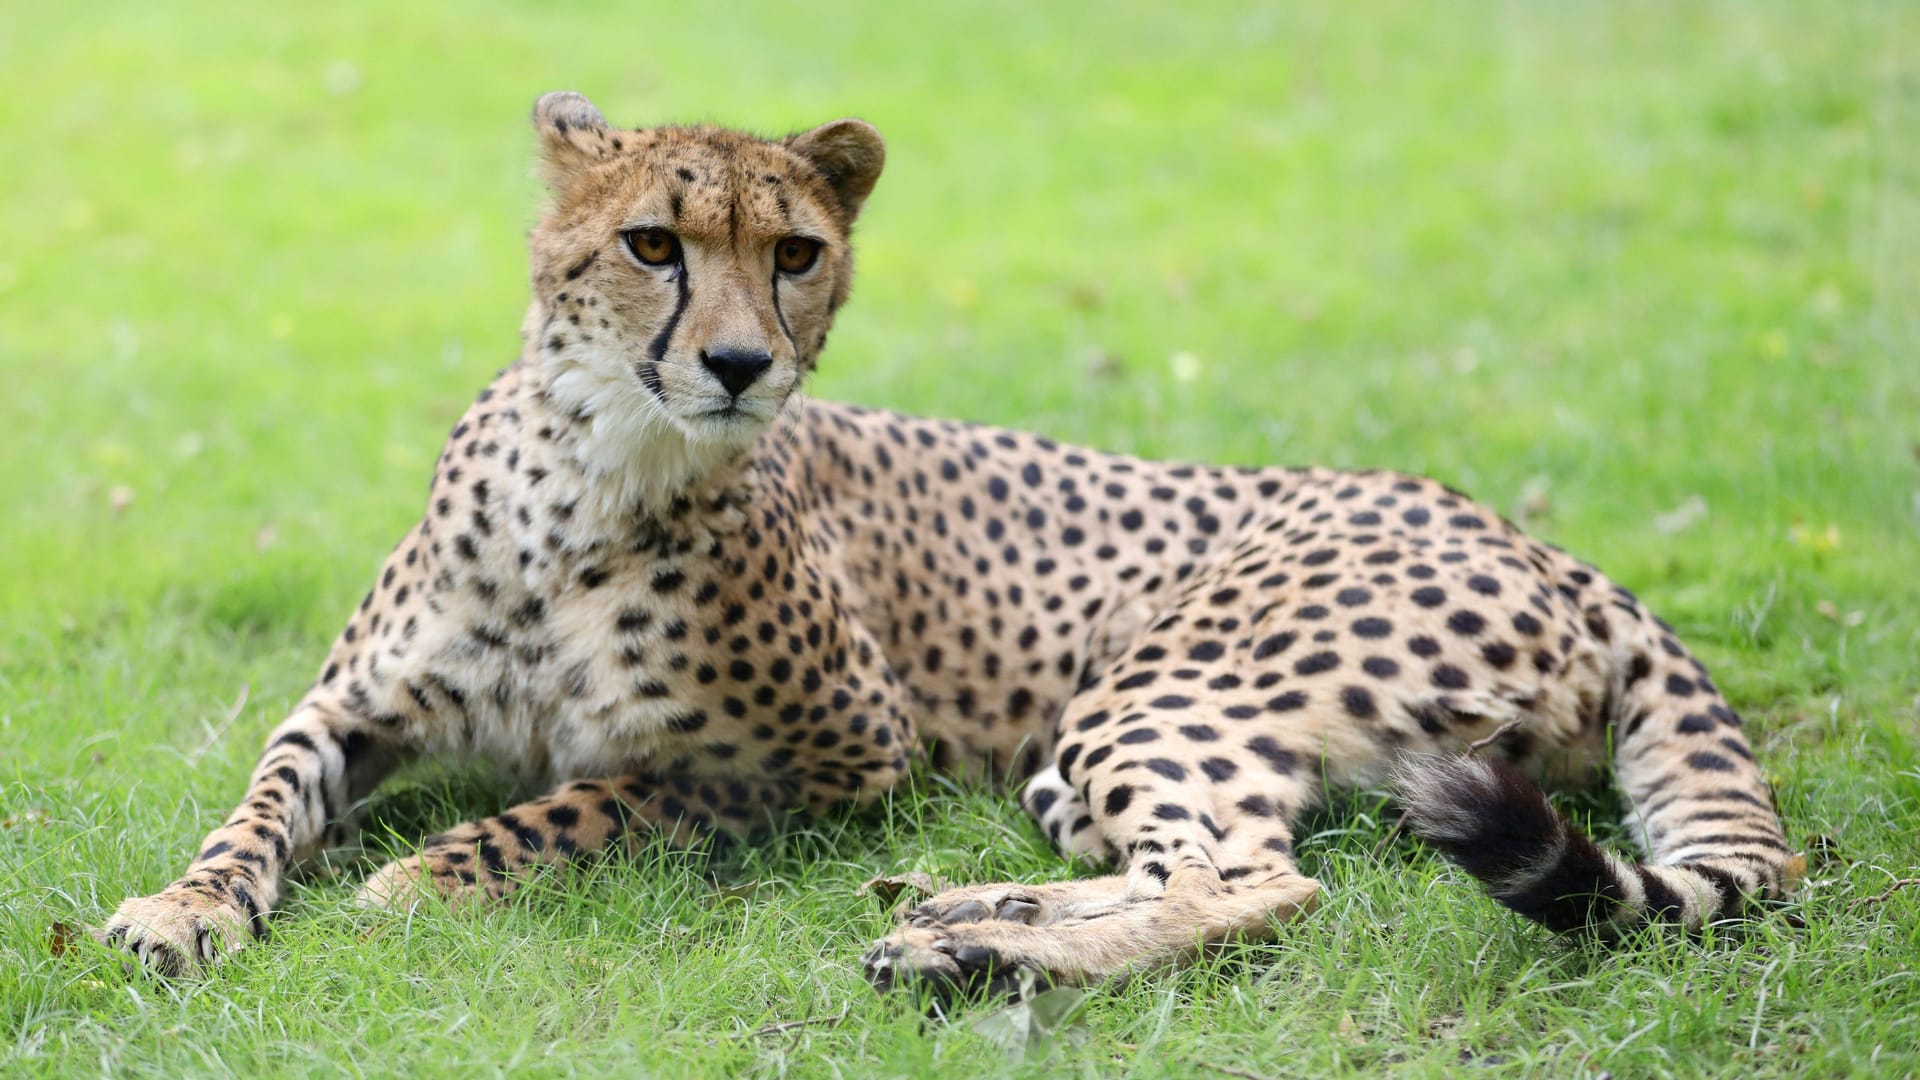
986,938
1064,817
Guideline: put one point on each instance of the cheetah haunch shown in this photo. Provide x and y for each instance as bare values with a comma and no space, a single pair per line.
652,572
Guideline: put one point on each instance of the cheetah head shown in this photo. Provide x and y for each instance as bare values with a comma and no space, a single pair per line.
684,279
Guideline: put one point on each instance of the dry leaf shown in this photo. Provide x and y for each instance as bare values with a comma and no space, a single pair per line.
61,938
893,887
1086,296
119,497
1832,611
1346,1030
1030,1028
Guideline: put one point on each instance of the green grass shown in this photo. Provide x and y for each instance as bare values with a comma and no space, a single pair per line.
1592,262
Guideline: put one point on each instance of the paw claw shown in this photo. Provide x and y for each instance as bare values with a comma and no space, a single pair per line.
1013,910
965,912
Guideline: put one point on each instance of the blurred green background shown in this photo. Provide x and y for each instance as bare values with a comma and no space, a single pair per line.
1645,276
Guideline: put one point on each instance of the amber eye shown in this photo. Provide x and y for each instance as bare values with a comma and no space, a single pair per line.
655,247
795,254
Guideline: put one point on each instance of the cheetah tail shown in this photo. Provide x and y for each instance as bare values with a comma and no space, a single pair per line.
1498,825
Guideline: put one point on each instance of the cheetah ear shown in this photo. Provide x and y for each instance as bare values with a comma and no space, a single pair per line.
850,153
573,136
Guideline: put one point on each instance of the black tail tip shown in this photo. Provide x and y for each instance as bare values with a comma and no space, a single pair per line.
1483,813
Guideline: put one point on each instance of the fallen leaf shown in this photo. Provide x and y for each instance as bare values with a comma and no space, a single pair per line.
1345,1029
1086,296
1832,611
891,888
119,497
1030,1028
61,938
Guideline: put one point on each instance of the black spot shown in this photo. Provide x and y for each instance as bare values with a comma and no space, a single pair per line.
1466,623
1380,667
1172,770
1428,597
1316,663
1372,628
1448,677
1273,646
1119,799
1280,760
1358,701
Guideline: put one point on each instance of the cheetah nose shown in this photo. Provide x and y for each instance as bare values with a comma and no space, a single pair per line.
736,368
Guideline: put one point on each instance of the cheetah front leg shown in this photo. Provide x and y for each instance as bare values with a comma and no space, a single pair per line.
985,938
486,860
316,767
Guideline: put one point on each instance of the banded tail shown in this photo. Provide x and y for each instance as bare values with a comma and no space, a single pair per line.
1699,805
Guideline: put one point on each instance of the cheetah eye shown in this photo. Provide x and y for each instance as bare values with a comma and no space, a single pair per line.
654,247
796,254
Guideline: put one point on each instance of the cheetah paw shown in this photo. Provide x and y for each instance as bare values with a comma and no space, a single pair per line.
948,964
405,884
180,929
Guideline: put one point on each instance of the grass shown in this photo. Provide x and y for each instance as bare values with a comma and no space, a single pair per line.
1644,275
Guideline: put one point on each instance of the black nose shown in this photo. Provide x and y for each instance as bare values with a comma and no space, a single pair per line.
736,368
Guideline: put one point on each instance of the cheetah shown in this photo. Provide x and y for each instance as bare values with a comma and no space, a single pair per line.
653,573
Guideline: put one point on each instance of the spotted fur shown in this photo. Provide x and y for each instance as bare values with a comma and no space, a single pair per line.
651,572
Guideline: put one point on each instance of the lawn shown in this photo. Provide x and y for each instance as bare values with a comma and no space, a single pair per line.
1645,276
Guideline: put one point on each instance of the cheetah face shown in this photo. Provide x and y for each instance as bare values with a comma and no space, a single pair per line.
684,278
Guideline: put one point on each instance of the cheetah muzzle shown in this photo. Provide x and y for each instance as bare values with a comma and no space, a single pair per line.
697,602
